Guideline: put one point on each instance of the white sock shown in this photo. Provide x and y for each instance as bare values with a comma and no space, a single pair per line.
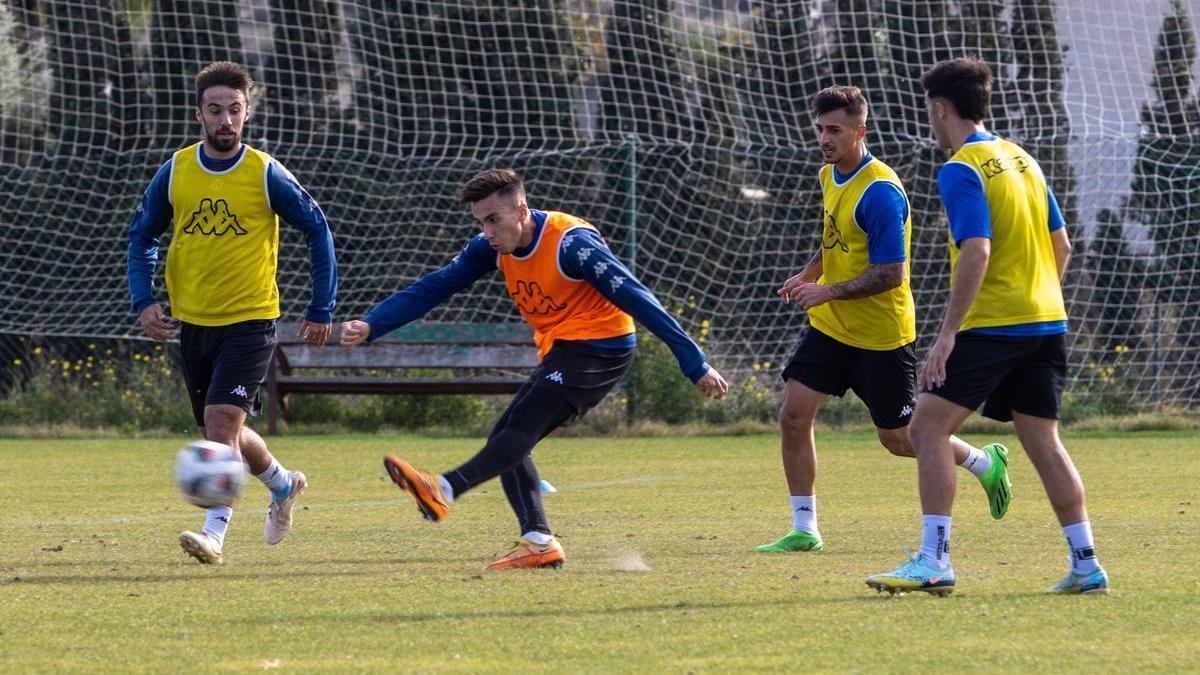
447,491
539,538
216,521
1083,549
804,513
977,462
935,539
277,479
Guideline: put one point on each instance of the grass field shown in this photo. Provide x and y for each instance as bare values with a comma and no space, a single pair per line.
92,579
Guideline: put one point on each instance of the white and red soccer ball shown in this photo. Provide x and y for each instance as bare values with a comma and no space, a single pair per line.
209,473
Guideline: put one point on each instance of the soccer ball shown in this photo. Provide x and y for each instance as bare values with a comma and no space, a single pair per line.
209,473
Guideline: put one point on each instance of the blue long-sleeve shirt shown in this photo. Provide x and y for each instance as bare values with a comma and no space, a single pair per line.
287,198
601,269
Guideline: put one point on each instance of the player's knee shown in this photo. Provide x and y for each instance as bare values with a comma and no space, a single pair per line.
896,441
794,419
923,434
223,424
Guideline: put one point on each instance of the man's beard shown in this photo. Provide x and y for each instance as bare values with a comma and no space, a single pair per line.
222,143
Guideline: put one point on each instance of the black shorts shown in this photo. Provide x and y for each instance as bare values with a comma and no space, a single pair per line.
884,380
582,374
226,364
1007,375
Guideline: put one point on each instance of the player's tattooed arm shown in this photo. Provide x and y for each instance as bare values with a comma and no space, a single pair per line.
877,279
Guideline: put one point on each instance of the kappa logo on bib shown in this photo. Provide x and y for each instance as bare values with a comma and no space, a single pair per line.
213,218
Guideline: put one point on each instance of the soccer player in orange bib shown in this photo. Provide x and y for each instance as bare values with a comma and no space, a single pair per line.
581,302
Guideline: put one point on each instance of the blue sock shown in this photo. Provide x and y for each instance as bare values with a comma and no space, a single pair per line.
278,480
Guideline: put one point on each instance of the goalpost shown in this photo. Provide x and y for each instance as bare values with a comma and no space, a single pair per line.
680,128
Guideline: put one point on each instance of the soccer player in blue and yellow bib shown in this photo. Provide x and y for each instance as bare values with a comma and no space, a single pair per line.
1002,341
581,302
860,309
223,200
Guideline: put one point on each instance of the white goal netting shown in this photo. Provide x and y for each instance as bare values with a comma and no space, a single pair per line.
679,128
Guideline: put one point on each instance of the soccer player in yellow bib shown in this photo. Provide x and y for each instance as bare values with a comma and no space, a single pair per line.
222,199
861,317
1002,340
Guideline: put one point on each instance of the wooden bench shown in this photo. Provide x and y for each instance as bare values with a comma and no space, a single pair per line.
484,358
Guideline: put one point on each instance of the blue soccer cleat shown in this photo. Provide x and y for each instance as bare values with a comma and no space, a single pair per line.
1092,583
918,574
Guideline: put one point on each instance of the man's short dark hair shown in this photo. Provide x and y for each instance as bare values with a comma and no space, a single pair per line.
488,182
966,83
840,97
223,73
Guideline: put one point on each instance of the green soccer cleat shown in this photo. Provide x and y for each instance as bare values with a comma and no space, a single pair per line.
1092,583
918,574
796,540
995,482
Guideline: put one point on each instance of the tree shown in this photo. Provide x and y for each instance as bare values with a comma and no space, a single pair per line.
95,77
782,72
186,35
450,79
1165,194
642,90
1117,275
301,108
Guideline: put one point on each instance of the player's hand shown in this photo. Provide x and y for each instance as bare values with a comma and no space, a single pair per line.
354,333
156,324
811,295
314,333
788,290
713,385
932,373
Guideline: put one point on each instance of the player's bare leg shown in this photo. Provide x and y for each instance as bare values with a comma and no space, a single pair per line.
797,417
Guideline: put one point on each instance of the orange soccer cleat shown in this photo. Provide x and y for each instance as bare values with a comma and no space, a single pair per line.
528,555
425,488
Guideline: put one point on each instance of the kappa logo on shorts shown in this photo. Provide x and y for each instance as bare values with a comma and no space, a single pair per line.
240,391
556,376
906,411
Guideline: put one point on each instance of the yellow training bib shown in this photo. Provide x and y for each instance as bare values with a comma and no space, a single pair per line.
1021,284
878,322
225,247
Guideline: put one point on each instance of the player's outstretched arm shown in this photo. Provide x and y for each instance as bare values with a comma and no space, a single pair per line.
414,302
584,255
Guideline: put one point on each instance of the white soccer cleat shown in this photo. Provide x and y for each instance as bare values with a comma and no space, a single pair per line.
203,547
279,514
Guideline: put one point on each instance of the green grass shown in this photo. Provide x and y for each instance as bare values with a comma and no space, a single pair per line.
362,584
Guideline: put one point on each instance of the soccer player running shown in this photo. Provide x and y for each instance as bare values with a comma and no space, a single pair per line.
1002,341
222,199
861,318
581,302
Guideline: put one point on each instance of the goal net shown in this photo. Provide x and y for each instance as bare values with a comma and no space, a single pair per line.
679,128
